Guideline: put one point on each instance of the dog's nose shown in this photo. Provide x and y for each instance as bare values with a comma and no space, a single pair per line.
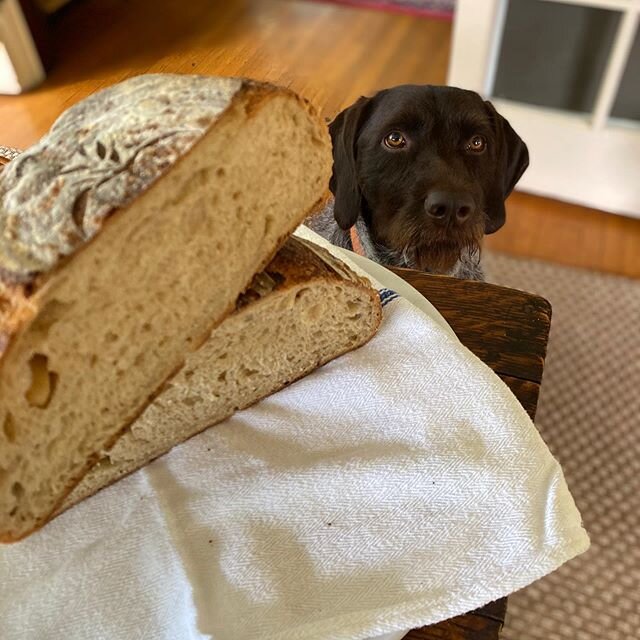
445,206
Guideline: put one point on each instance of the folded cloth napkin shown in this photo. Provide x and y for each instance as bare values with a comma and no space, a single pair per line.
397,486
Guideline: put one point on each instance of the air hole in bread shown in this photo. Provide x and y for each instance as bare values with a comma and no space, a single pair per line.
220,172
188,374
268,223
236,195
302,293
247,372
191,401
222,376
223,356
146,327
353,306
277,278
110,337
9,428
43,382
50,314
17,489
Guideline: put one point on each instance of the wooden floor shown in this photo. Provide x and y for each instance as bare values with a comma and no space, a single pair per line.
330,54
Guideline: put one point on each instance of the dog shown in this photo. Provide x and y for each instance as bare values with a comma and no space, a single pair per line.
420,174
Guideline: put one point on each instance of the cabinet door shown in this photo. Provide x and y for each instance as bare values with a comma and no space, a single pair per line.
566,74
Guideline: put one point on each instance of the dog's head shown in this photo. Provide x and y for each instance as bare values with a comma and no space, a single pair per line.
428,168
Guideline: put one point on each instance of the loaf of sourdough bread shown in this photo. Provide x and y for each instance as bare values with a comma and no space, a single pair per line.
126,235
305,309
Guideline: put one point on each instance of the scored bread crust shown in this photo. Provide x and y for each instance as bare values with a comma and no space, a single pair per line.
299,266
20,277
100,155
56,196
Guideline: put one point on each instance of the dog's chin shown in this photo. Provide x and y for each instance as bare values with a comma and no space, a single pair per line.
438,251
441,257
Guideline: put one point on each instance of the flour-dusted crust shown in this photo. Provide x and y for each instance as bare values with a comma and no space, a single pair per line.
98,156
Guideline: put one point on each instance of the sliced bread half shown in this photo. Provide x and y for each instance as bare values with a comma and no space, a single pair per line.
305,309
126,234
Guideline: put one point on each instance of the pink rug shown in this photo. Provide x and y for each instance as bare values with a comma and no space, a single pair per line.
438,9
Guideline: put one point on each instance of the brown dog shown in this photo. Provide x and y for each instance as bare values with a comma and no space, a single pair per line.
420,174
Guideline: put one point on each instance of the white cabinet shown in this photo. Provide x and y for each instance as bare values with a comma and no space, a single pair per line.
566,74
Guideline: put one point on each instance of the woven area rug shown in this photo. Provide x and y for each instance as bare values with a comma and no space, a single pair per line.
589,415
440,9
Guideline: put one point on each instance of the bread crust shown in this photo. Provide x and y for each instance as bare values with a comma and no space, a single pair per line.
20,284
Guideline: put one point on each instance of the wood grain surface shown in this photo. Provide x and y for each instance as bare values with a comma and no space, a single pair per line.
505,328
329,54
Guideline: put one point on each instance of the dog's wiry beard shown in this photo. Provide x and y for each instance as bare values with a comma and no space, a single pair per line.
442,258
434,248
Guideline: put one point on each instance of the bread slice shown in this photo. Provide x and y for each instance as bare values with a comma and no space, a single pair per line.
126,234
305,309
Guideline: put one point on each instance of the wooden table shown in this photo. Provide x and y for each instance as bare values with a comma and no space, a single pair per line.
508,330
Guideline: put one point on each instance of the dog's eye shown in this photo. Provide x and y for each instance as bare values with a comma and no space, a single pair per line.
477,144
394,140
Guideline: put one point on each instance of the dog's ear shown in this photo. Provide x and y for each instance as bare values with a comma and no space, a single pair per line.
344,180
512,158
